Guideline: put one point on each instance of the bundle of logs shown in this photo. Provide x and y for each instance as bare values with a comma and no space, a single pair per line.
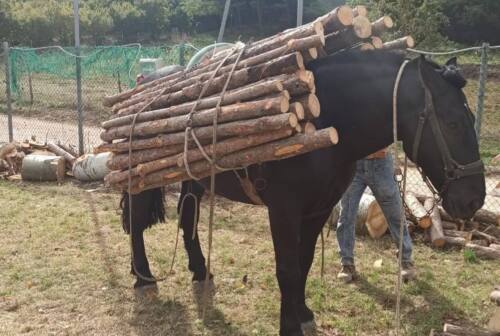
261,96
480,235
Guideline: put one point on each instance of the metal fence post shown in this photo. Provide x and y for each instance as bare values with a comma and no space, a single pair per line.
7,91
483,73
78,77
182,54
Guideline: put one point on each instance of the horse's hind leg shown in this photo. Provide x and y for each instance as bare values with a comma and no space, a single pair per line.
310,230
189,201
285,229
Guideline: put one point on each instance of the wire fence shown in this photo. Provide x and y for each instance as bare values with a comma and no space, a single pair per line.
43,88
44,104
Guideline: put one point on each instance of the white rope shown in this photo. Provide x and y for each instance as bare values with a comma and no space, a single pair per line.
397,174
450,52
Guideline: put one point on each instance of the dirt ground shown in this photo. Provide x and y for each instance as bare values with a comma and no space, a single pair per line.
65,271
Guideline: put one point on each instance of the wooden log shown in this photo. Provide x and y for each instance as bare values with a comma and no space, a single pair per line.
458,234
401,43
448,225
120,161
300,83
381,25
360,10
366,46
495,296
495,246
305,45
282,65
484,252
311,105
232,129
248,92
376,42
436,228
467,331
310,55
6,150
68,149
223,148
278,150
360,30
455,241
70,159
114,99
43,168
482,235
246,110
486,216
307,127
417,210
91,167
480,242
338,19
297,109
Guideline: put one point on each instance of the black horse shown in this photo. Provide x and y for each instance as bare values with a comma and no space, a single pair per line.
355,90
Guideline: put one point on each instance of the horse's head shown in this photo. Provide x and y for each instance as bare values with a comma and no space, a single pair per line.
440,137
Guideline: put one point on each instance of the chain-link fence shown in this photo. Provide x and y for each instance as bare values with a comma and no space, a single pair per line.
43,91
43,88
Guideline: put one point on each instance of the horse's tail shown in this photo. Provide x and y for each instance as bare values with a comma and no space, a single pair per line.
148,208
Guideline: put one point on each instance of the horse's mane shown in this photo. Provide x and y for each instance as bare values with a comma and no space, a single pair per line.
365,57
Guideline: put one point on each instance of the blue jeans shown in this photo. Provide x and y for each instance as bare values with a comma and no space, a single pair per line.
378,174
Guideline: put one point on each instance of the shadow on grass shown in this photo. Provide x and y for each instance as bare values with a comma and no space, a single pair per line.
213,319
158,317
418,319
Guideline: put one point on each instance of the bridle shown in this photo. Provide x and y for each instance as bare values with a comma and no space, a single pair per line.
452,169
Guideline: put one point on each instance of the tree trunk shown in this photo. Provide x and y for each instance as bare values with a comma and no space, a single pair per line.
311,105
249,92
232,129
401,43
417,210
481,235
300,83
120,161
70,159
467,331
91,167
455,241
360,11
382,25
278,150
360,30
241,111
448,225
43,168
436,229
458,234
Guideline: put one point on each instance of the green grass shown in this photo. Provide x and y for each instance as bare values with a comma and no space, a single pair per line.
69,274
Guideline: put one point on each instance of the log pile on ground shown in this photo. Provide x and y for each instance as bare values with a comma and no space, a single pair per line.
480,235
261,96
33,161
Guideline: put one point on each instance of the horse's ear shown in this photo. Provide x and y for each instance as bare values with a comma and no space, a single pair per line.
452,62
429,76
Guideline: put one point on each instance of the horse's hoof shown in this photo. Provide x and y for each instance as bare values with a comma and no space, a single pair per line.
201,277
306,315
147,292
309,328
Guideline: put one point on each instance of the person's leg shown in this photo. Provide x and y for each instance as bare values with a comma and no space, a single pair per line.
346,224
385,189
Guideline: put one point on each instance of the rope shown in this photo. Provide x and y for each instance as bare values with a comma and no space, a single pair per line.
74,55
398,177
451,52
137,273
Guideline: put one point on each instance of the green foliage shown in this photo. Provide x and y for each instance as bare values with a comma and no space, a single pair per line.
470,256
38,23
422,19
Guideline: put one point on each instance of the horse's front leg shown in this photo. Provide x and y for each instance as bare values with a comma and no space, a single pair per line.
188,208
309,231
285,229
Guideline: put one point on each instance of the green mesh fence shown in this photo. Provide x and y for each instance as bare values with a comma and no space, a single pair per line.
118,62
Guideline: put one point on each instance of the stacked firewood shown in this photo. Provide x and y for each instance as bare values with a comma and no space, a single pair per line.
261,96
481,235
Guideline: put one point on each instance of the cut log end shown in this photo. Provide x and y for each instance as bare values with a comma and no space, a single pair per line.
362,27
307,127
366,46
360,10
334,135
292,120
381,25
298,110
377,42
345,15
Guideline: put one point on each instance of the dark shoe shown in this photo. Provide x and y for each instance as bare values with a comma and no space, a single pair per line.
347,273
408,271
